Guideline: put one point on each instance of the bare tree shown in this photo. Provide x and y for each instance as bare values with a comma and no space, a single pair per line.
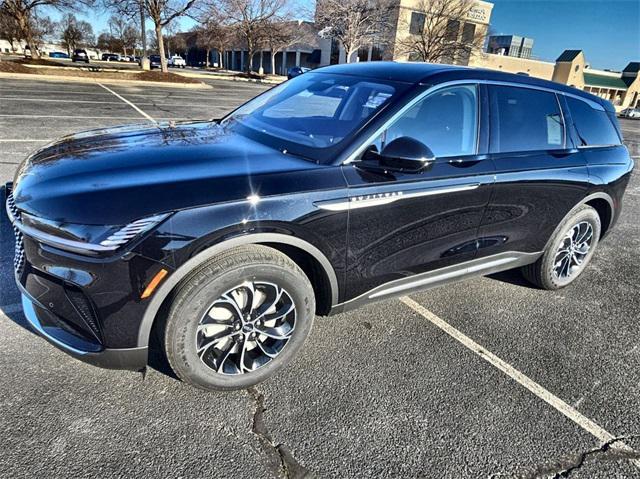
130,10
282,35
249,18
75,33
213,35
24,13
107,42
439,32
354,23
162,13
174,41
9,30
124,32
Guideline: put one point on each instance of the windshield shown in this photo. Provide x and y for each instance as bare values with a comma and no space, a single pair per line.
312,114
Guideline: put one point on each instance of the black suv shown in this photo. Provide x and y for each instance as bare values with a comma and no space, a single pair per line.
80,55
345,185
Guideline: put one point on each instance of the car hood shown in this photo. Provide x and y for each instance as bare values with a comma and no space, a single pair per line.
113,176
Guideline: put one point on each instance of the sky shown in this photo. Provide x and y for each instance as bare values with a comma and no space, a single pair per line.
608,31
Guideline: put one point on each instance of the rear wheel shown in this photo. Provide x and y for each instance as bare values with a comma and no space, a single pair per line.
238,319
568,252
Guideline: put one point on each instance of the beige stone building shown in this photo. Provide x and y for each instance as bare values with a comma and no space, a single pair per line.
411,17
406,18
571,68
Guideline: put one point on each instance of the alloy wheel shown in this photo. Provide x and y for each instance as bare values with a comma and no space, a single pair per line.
573,250
245,328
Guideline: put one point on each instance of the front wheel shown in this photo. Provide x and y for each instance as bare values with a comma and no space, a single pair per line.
239,319
568,252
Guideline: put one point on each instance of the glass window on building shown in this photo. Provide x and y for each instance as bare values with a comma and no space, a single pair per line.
416,26
376,53
468,32
593,126
524,119
452,31
363,54
334,58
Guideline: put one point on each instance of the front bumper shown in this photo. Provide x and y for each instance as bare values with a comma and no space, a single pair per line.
130,358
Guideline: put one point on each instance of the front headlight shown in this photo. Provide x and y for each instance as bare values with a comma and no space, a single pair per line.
131,231
86,239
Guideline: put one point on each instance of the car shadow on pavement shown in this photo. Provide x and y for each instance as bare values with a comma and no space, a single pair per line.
157,356
158,362
512,276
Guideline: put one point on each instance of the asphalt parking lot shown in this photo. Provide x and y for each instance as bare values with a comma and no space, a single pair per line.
491,378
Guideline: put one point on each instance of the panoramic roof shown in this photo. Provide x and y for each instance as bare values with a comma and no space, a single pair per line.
415,72
410,72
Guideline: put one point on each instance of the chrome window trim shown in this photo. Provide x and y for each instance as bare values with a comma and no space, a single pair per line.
586,147
352,157
591,103
358,151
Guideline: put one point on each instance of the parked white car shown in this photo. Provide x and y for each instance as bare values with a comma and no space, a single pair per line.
630,113
177,61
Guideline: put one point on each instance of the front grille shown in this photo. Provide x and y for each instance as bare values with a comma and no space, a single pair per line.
18,257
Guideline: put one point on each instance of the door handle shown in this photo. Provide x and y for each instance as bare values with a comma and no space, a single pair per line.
467,160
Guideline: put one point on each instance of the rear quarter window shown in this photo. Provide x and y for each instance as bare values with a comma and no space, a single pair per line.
594,127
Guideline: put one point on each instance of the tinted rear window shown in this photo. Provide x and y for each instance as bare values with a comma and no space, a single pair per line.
594,127
525,119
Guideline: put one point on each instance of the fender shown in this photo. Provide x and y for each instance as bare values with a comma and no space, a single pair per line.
598,195
180,273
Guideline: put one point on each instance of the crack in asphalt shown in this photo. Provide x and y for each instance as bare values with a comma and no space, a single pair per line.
282,462
606,452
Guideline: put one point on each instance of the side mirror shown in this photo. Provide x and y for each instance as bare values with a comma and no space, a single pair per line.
406,154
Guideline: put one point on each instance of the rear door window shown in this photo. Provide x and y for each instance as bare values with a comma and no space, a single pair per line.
524,119
594,127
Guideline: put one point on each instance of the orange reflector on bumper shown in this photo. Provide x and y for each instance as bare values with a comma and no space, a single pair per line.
153,284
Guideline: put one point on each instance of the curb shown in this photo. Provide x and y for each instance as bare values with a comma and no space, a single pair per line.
35,76
218,76
83,68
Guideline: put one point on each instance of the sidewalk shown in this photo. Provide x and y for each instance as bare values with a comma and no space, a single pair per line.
230,76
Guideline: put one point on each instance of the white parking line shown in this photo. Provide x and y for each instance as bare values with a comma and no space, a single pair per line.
19,91
159,103
57,100
129,103
71,117
21,140
584,422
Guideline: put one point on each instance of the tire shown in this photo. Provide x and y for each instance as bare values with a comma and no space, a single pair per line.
212,333
560,265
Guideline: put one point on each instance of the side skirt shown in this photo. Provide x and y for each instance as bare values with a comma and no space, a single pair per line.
439,277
